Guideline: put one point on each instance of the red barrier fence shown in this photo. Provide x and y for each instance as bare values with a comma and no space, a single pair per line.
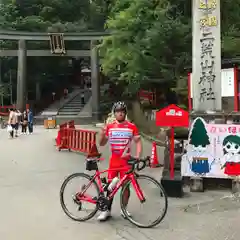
78,140
61,133
4,110
62,142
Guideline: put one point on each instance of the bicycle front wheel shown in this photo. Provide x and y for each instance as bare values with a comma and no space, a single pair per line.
71,204
155,201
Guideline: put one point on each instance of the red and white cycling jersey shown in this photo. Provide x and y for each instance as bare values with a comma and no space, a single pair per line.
120,136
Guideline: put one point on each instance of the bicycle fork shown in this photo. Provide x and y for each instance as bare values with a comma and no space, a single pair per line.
137,188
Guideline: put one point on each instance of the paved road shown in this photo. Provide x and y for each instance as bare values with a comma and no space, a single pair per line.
31,174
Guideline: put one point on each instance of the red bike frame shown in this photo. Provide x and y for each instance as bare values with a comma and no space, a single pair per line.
128,176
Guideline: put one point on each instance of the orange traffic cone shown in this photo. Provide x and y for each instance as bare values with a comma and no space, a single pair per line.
93,153
154,157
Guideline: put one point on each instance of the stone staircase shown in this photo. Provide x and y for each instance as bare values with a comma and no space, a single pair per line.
52,109
74,106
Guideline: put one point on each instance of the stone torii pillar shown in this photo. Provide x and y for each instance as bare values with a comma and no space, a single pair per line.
21,74
95,80
206,64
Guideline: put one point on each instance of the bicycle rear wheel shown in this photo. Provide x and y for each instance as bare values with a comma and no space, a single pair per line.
158,195
78,204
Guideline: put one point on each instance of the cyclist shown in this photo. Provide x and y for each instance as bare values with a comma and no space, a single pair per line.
120,134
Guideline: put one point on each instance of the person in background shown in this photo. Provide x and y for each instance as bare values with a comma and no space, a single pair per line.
83,98
30,121
65,92
24,122
18,117
12,120
89,84
53,96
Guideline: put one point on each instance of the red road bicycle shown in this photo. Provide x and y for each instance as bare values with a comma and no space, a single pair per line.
100,201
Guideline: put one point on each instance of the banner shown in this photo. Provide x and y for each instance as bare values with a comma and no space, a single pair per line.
145,95
213,150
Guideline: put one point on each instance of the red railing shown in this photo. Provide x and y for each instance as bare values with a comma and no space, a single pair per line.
4,110
80,140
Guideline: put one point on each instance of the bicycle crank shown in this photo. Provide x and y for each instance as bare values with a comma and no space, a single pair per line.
102,203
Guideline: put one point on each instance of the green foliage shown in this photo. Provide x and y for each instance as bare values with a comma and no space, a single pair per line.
143,44
4,90
199,135
152,39
46,15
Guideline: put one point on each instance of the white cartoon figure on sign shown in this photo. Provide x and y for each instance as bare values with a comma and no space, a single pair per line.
199,140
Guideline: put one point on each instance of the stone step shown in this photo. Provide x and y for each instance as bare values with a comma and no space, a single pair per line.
68,114
73,104
73,107
69,110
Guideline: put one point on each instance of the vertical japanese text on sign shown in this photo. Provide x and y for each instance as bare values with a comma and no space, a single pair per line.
207,41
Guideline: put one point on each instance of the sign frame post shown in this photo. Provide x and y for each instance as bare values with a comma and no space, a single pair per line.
172,163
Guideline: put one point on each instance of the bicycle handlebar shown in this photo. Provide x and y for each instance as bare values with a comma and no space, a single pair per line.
138,164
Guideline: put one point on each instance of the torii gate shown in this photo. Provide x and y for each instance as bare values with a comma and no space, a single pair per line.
57,49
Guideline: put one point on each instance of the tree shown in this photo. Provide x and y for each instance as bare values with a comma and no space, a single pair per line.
40,15
199,135
143,43
152,39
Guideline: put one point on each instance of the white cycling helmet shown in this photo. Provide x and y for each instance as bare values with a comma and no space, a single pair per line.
119,106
